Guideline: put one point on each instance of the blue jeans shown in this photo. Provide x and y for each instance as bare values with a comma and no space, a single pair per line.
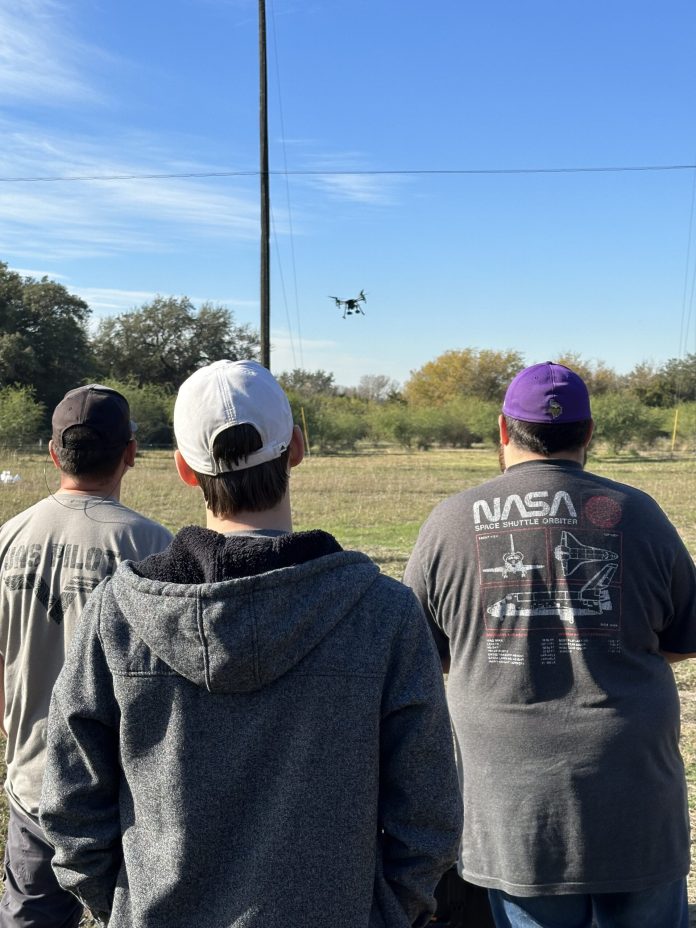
663,906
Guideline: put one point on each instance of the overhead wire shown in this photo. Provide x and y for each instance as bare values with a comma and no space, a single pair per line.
687,303
686,317
282,287
346,172
289,205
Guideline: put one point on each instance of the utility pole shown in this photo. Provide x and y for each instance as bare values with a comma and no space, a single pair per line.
265,296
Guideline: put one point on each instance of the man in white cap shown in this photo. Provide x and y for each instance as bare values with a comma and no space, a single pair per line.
257,735
558,599
52,556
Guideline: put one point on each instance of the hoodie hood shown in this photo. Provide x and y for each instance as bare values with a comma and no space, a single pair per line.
234,613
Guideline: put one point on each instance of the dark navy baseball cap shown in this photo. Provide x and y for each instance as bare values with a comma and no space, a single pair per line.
102,409
547,392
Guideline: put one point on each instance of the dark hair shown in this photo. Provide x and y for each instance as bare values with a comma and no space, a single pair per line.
253,489
83,453
547,437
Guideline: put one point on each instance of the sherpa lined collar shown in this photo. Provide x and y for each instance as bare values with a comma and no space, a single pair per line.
200,555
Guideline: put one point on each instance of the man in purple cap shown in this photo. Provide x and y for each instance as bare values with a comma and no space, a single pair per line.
558,599
52,556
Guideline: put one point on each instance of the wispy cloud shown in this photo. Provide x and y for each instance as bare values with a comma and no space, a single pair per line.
106,301
37,275
334,178
37,52
358,187
109,301
54,220
44,62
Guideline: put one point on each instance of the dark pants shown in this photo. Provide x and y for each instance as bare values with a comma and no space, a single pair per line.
461,904
32,897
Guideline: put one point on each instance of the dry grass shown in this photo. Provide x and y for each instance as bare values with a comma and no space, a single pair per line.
376,502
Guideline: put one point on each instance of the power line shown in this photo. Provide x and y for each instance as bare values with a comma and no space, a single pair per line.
289,204
687,304
413,172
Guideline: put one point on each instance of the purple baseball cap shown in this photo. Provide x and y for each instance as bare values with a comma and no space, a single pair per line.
547,392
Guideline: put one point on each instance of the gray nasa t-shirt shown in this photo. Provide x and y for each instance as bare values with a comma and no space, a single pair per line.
52,556
555,591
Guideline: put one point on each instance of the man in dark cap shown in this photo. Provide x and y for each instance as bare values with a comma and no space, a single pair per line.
558,599
52,556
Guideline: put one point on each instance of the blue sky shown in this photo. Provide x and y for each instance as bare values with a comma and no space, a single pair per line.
598,263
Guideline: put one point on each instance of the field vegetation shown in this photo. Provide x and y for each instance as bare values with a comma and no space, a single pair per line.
375,500
48,347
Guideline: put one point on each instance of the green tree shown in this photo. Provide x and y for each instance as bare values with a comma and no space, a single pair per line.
152,409
599,377
480,417
645,381
678,376
165,341
377,388
684,416
21,417
395,422
621,420
334,423
308,383
44,343
672,382
484,374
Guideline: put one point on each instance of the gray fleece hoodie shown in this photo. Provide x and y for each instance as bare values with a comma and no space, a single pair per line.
252,732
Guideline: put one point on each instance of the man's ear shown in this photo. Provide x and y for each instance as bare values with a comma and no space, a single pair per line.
502,426
52,452
590,433
183,470
130,452
297,448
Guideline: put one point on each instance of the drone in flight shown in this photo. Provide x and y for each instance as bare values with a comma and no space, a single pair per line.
351,306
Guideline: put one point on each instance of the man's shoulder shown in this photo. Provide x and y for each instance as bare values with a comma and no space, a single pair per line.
135,518
20,519
632,501
616,485
358,571
104,521
392,589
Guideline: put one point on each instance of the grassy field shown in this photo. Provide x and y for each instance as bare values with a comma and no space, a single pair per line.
376,501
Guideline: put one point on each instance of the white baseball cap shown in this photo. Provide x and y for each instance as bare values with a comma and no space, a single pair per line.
224,394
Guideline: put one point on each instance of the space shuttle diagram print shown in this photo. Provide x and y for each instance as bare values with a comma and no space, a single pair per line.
541,576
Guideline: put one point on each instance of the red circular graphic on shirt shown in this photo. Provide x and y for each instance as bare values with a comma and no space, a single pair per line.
603,511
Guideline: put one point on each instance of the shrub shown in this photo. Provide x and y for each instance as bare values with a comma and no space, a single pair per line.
334,423
152,408
622,420
21,417
686,424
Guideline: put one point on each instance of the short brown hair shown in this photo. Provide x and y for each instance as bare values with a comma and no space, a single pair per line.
83,453
547,438
253,489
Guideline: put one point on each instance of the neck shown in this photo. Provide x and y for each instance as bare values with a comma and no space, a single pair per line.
108,489
279,518
514,455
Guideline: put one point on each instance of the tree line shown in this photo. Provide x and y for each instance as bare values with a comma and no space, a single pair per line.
47,347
